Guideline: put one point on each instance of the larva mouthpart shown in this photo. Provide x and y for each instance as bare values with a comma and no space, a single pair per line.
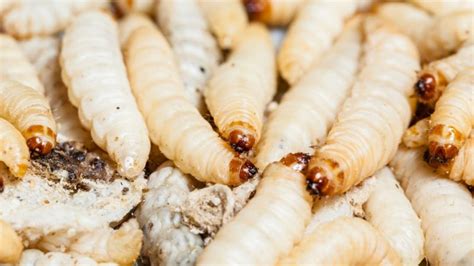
296,161
241,170
241,141
317,182
40,139
443,145
425,88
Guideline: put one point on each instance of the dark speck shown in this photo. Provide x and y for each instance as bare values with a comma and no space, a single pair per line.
203,70
97,164
118,107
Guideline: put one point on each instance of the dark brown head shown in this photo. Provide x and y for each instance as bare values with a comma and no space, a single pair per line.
257,9
317,182
240,141
40,139
296,161
39,145
438,155
241,170
425,87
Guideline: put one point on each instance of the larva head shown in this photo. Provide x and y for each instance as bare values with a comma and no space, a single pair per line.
241,141
443,146
425,88
317,182
257,9
40,139
241,170
296,161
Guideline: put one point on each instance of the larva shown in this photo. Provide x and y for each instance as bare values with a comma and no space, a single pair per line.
307,110
174,123
167,241
273,220
10,244
463,165
442,7
452,119
371,123
239,90
444,206
136,6
94,72
344,241
37,257
417,135
311,34
15,65
40,18
389,211
195,48
130,23
272,12
227,19
30,113
13,150
435,76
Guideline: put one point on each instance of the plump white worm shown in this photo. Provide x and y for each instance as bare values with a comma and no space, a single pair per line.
15,65
307,111
195,49
417,135
442,7
29,112
311,34
10,244
389,211
227,19
167,241
444,206
29,18
94,72
240,89
174,123
344,241
452,120
371,123
273,12
35,257
130,23
13,150
270,224
137,6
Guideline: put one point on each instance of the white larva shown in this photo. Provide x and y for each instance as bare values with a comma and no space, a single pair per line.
94,72
389,211
196,50
175,125
444,206
462,168
307,111
13,150
167,241
273,12
129,24
370,126
240,89
35,257
10,244
442,7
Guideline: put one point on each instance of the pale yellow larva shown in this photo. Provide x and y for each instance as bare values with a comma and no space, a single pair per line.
227,19
130,23
462,168
174,123
13,150
10,244
94,72
307,110
444,206
195,49
391,213
273,12
370,126
240,89
39,258
40,18
15,65
270,224
343,241
29,112
313,31
442,7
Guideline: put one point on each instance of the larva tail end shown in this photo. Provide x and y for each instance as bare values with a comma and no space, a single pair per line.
241,170
40,139
425,88
240,141
296,161
317,182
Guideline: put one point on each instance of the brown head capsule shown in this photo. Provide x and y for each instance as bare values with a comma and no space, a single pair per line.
296,161
440,154
425,88
40,139
317,182
257,9
2,185
240,141
241,170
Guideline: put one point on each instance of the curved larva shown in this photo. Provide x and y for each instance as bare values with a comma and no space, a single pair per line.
417,135
227,19
94,72
452,120
13,150
344,241
371,123
444,206
10,244
32,18
311,34
167,241
442,7
389,211
435,76
272,12
307,110
30,113
131,6
196,50
35,257
129,24
174,123
15,65
240,89
273,220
